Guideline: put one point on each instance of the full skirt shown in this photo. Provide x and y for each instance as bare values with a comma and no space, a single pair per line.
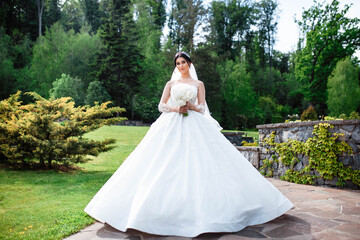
185,178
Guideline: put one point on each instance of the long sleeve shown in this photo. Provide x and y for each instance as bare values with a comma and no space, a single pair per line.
163,106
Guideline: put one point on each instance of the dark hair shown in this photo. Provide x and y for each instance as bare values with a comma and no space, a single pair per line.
183,55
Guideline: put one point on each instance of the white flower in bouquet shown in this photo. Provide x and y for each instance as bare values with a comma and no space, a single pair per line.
181,93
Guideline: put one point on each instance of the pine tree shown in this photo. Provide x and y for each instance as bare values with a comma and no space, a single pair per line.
118,64
185,19
92,14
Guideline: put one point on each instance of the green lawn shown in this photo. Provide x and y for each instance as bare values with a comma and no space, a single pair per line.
253,134
49,204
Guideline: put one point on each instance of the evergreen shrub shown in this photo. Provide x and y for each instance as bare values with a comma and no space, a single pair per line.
52,130
309,114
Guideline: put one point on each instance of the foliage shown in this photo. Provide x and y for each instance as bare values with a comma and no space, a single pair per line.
267,24
237,92
121,44
14,60
267,168
229,23
247,144
20,18
62,52
147,108
206,68
185,18
73,15
265,81
151,81
117,65
96,93
7,70
67,86
322,151
270,111
330,36
309,114
52,130
92,14
52,12
343,87
353,115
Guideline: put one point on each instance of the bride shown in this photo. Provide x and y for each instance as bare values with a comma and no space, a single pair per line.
185,178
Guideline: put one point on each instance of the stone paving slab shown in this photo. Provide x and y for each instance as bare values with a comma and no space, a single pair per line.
319,213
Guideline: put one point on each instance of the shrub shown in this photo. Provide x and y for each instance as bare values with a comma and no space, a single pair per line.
67,86
96,92
52,130
309,114
247,144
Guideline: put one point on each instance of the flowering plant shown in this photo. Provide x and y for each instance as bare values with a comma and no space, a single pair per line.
181,93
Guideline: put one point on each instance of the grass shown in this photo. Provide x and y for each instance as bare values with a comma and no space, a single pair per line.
253,134
38,204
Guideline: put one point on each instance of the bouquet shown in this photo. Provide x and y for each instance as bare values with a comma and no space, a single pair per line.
181,93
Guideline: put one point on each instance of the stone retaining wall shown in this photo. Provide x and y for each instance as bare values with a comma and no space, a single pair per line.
133,123
301,131
253,154
236,138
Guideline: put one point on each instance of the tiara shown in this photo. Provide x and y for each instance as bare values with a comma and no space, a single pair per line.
179,53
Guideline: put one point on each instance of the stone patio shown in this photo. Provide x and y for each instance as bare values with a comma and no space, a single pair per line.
319,213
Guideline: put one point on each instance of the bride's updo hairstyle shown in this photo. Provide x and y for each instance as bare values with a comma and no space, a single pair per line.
183,55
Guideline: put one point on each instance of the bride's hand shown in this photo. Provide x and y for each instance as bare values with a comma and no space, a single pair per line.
183,109
190,105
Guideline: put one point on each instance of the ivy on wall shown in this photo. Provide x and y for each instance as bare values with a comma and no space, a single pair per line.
322,151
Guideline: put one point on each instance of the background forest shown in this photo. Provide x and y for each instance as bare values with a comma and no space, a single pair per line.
99,50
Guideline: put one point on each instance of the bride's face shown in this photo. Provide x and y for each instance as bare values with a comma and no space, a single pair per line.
182,65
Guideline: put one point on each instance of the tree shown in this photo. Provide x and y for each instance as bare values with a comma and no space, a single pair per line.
229,23
267,26
118,63
92,14
15,58
330,36
239,97
40,5
7,70
151,82
52,12
20,18
206,62
60,52
268,108
184,20
73,16
67,86
343,87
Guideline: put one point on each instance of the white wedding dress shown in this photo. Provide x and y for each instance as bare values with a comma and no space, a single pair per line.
185,178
